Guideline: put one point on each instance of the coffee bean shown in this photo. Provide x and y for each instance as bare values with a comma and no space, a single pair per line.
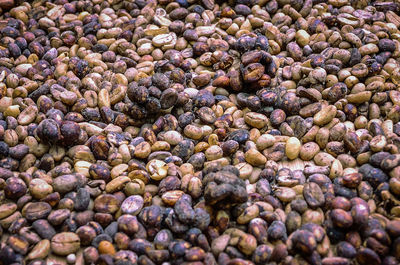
65,243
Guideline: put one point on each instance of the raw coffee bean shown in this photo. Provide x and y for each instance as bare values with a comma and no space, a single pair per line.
49,131
313,195
37,210
14,188
304,241
44,229
65,183
65,243
82,200
293,146
132,205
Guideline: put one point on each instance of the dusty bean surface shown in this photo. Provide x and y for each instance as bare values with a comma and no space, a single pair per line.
239,132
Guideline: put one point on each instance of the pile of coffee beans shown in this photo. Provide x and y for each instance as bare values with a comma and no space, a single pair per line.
194,132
